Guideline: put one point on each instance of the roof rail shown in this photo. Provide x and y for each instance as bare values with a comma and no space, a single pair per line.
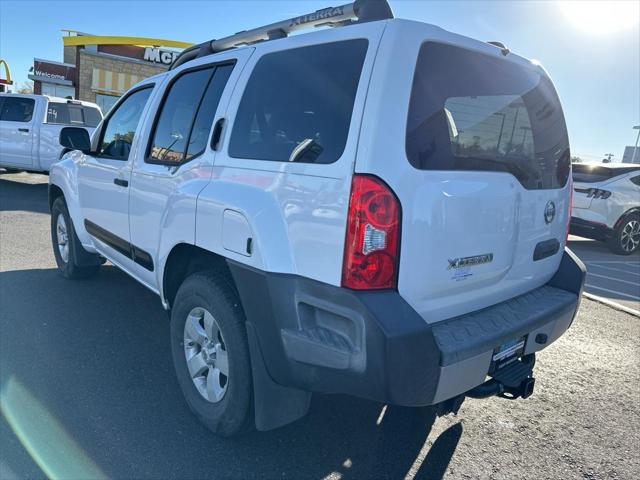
362,10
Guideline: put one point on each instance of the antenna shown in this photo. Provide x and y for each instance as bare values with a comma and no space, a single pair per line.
362,10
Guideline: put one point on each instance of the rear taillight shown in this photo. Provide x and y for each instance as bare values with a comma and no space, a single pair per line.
372,241
566,240
594,192
598,193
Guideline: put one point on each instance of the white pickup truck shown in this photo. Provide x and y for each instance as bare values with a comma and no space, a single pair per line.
30,127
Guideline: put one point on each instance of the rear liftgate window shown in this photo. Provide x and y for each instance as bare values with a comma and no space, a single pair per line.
471,111
297,104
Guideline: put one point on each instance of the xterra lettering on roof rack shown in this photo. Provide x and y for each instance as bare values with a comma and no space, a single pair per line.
359,11
318,15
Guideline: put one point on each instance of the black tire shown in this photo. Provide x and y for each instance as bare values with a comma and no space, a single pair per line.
213,291
620,243
69,267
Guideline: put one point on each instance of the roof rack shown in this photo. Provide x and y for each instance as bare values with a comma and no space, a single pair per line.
362,10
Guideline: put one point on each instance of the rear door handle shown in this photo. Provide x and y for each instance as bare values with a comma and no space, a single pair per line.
121,182
217,133
25,130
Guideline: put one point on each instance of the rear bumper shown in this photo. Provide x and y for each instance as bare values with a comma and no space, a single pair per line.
589,229
322,338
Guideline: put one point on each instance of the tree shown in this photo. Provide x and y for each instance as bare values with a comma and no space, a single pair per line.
26,87
576,160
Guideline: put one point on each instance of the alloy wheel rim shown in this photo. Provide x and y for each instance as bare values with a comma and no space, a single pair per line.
206,354
63,238
630,237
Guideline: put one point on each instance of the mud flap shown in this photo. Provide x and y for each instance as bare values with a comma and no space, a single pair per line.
274,404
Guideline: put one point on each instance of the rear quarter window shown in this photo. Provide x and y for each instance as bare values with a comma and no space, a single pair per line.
472,111
298,103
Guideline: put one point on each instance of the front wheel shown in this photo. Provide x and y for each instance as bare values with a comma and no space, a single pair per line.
626,237
63,239
211,354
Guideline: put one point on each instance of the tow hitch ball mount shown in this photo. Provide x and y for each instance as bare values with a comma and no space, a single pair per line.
512,381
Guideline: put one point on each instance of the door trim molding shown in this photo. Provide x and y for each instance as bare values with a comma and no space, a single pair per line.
138,255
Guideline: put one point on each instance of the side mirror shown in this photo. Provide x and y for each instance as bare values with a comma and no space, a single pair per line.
75,138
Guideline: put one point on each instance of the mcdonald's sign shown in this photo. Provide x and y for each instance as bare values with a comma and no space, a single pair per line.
7,73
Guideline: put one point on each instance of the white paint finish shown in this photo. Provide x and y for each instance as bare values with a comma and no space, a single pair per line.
236,233
48,145
101,200
625,195
297,212
39,148
162,205
162,212
16,145
64,174
298,221
447,215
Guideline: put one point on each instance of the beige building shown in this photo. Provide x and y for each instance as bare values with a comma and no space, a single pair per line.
98,73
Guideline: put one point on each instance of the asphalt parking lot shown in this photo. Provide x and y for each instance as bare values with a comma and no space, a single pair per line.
610,276
87,390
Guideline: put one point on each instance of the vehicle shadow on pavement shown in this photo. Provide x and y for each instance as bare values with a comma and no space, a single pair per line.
16,195
95,355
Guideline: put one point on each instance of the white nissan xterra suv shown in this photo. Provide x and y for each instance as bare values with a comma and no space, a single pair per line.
378,209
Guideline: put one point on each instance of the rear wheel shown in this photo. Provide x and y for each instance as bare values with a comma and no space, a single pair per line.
65,241
211,353
626,237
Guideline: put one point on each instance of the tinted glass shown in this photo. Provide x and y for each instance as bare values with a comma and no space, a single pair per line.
17,109
58,113
121,126
297,104
105,102
69,114
471,111
206,113
590,173
92,116
176,117
75,115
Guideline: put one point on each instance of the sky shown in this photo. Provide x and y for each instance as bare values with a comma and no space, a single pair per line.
591,49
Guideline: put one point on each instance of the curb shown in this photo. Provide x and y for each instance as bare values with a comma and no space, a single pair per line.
612,304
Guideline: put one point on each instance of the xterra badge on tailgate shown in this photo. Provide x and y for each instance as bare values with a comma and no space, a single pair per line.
470,261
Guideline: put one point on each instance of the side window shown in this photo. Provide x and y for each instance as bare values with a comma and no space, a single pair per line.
17,109
186,115
120,128
636,180
57,113
297,105
92,116
65,114
207,111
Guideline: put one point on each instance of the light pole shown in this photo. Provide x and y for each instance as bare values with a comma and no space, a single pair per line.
635,149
